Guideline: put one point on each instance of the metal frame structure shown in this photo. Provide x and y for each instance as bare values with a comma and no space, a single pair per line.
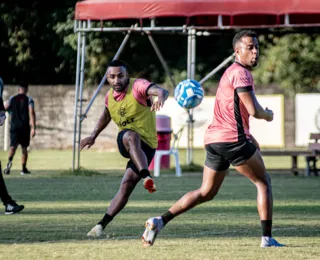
81,27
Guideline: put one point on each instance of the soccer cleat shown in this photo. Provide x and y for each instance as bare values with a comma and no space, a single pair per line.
13,207
153,228
270,242
148,184
8,167
96,231
25,171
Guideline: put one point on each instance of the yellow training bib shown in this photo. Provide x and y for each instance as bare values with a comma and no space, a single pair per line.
128,113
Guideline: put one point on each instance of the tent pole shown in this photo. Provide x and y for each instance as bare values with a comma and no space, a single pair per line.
162,60
123,44
188,110
189,55
83,54
219,67
76,94
191,75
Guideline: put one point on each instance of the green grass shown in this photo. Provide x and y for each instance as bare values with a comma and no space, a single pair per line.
44,160
61,207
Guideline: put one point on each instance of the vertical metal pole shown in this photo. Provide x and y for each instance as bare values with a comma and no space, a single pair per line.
83,54
193,73
76,94
189,55
188,110
193,53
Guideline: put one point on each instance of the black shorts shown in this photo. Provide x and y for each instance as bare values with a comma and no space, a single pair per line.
221,155
148,151
20,136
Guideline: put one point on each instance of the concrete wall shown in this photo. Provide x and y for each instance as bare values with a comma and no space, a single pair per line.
54,106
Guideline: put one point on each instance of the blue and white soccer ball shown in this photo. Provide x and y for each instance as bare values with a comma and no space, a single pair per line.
188,93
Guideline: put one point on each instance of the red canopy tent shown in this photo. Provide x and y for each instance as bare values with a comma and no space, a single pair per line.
199,17
267,12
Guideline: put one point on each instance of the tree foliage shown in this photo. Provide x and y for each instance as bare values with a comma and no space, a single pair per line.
38,44
291,61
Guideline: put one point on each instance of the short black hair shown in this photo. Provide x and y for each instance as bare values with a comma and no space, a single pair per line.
240,35
23,85
118,63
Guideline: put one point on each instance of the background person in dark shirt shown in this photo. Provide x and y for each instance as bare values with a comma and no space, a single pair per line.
11,206
22,125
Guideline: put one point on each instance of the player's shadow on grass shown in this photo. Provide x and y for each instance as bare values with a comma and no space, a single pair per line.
283,211
70,231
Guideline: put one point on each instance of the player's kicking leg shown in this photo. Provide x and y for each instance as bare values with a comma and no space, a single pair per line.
128,183
140,155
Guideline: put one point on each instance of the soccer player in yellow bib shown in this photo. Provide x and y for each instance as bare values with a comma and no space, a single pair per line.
129,104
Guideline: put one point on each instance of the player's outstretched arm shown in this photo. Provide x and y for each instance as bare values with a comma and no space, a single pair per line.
253,107
102,123
162,95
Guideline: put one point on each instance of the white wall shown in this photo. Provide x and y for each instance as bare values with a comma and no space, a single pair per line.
268,134
307,117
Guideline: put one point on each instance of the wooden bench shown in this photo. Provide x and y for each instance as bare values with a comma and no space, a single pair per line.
314,147
310,155
292,153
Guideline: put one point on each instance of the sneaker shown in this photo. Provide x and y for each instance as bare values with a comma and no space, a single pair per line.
96,231
153,227
13,207
148,184
7,169
270,242
25,171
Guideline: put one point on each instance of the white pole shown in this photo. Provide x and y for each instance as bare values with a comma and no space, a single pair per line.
191,75
76,98
83,54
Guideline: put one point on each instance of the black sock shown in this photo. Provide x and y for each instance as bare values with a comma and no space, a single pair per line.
24,167
10,159
105,221
266,227
166,217
144,173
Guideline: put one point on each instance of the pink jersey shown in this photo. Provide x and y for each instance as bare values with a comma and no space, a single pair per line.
231,119
139,90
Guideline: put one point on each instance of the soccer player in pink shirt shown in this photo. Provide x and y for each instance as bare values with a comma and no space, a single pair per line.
129,104
228,141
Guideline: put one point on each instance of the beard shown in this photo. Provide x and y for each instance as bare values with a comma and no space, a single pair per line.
254,63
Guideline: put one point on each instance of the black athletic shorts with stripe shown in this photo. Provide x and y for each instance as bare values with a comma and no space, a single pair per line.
148,151
220,155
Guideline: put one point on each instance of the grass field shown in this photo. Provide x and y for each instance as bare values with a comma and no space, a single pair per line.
61,209
96,160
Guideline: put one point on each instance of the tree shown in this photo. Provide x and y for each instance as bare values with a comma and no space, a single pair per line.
291,61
